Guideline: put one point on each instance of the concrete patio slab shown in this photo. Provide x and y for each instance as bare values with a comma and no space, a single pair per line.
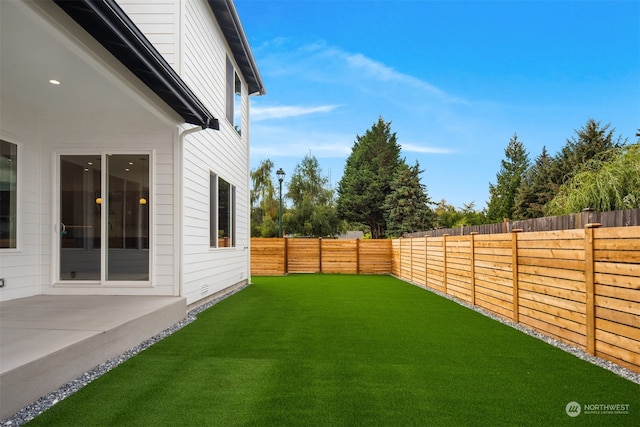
47,341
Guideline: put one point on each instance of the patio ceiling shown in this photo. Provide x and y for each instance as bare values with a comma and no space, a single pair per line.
30,59
41,43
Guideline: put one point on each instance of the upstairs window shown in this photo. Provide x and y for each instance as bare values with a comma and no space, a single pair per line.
8,195
233,97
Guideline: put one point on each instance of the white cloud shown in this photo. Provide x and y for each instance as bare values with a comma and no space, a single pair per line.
382,72
425,149
286,141
259,113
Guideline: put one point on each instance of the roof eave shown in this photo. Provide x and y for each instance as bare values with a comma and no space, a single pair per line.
229,21
114,30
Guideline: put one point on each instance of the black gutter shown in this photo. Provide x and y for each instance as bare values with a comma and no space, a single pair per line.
227,17
112,28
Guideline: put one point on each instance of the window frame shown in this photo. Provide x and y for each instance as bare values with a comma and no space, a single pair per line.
104,220
18,198
233,94
215,213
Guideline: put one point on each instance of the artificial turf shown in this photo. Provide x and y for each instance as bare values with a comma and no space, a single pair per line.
344,350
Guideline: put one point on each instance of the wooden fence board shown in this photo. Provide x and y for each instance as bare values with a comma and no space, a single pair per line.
618,316
622,357
554,331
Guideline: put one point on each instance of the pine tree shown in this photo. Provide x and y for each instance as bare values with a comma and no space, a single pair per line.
536,189
407,208
503,194
589,142
367,178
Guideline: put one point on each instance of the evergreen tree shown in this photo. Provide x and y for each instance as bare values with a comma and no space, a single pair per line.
502,195
406,208
312,211
536,189
367,178
589,142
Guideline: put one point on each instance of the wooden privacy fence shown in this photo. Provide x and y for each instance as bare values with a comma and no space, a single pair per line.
347,256
620,218
581,287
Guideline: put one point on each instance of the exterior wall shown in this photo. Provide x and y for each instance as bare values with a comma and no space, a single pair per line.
160,23
187,34
21,268
28,270
224,152
135,133
116,113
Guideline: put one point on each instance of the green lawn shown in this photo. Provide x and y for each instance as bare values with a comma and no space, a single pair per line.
333,350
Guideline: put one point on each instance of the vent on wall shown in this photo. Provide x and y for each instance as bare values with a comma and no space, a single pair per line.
204,289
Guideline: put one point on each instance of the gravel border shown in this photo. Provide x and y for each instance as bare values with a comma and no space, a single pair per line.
31,411
45,402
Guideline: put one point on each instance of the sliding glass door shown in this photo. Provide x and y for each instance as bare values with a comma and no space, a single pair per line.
104,217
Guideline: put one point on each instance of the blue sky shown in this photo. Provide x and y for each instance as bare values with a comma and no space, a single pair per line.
456,79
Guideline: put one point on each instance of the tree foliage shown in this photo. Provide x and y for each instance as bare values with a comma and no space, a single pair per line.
312,211
603,185
264,202
406,208
367,178
536,189
590,141
502,195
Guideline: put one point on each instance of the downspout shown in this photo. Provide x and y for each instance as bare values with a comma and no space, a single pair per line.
181,142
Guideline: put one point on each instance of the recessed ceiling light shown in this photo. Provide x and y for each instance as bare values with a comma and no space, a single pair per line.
54,82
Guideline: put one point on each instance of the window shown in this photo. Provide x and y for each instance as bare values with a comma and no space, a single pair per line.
222,197
213,211
237,105
8,195
234,97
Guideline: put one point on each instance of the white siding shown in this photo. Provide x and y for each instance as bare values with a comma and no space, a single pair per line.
223,152
159,22
28,270
22,267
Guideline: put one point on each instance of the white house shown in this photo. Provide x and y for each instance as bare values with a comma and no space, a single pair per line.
124,152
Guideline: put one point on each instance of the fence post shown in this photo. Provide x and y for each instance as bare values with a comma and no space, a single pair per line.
411,259
514,268
444,262
320,253
590,306
358,256
286,255
472,249
426,261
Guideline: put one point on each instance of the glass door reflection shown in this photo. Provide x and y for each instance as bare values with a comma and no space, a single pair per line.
128,217
80,206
